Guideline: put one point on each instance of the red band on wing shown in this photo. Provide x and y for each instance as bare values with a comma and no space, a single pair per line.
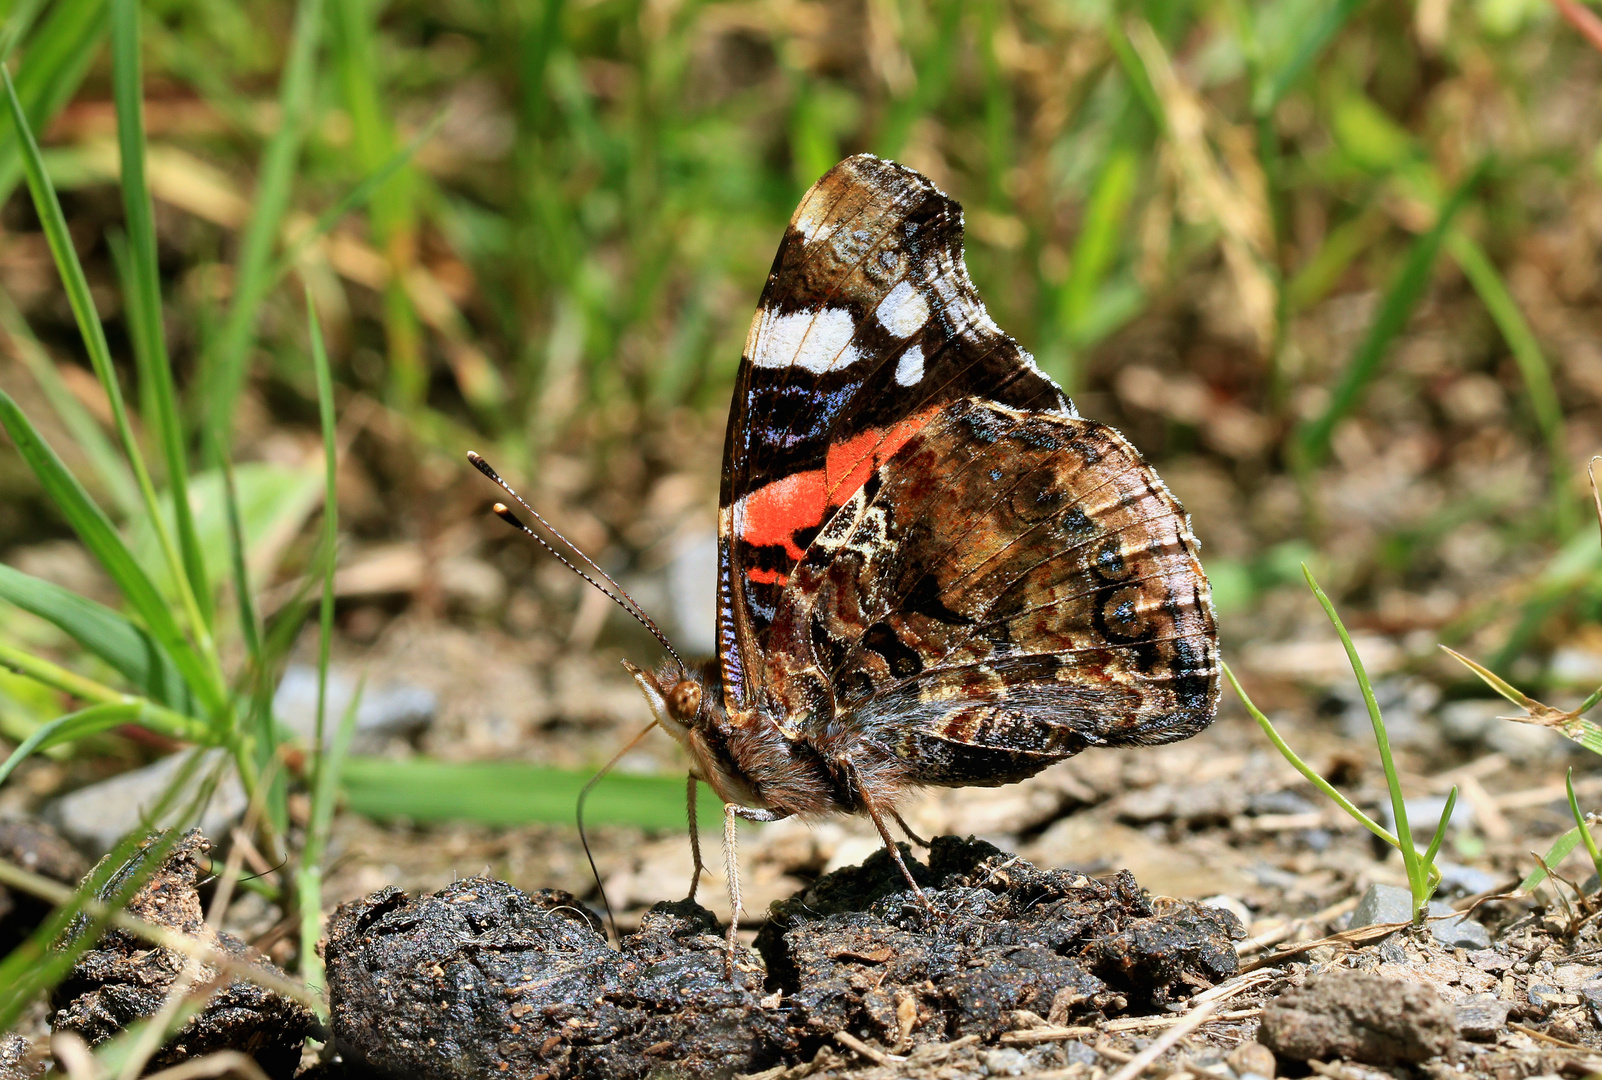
850,463
771,515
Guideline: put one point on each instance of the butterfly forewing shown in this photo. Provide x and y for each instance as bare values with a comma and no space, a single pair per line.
867,327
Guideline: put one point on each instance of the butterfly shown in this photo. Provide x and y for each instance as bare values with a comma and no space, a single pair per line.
933,572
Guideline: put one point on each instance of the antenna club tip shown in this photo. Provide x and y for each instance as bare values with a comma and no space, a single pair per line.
473,456
500,508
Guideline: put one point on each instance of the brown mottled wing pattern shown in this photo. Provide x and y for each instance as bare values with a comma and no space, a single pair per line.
867,327
1008,589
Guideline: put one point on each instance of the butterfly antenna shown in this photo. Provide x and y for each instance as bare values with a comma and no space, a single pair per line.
584,793
621,597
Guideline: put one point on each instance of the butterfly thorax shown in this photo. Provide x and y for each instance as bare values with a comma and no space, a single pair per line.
747,760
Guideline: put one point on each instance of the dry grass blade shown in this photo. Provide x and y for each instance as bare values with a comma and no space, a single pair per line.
1569,722
1236,197
1168,1039
54,892
1582,19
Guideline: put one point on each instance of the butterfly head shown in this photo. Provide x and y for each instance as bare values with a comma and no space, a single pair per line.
688,702
678,697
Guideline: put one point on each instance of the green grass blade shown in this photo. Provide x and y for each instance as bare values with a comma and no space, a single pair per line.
1270,92
1096,247
59,54
1533,366
325,413
103,542
510,793
65,729
393,218
126,647
94,338
225,364
309,881
155,369
85,430
1404,834
19,20
1428,861
326,759
1559,851
1309,773
1391,319
1579,824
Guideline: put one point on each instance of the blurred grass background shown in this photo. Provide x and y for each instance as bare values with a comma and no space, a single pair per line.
1333,265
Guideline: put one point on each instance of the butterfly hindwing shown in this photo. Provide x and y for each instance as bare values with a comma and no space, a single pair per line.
867,327
1008,589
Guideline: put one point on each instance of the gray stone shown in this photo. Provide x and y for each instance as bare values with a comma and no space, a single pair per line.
1591,992
1280,802
1393,904
386,711
1403,702
1383,904
1545,997
1078,1053
1460,880
1004,1062
1458,932
97,816
1482,1016
1477,721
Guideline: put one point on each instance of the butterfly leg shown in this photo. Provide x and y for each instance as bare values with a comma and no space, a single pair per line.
731,866
877,814
695,837
914,837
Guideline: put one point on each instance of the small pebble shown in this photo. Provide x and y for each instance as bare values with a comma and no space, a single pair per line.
1481,1016
1253,1058
1004,1062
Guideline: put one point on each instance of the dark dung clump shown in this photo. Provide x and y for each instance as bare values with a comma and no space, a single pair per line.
856,952
482,979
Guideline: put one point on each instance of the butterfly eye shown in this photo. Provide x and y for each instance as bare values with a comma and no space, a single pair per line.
685,699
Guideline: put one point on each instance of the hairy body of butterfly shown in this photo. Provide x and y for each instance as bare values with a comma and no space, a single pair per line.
933,571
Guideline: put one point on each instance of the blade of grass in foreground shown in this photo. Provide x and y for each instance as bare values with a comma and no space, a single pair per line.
104,543
326,759
155,369
511,793
106,634
393,215
59,54
68,266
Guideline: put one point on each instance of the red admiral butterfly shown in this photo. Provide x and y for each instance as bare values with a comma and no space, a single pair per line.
933,571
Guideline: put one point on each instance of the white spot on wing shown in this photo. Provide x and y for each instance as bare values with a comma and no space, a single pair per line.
903,311
810,216
816,341
909,369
